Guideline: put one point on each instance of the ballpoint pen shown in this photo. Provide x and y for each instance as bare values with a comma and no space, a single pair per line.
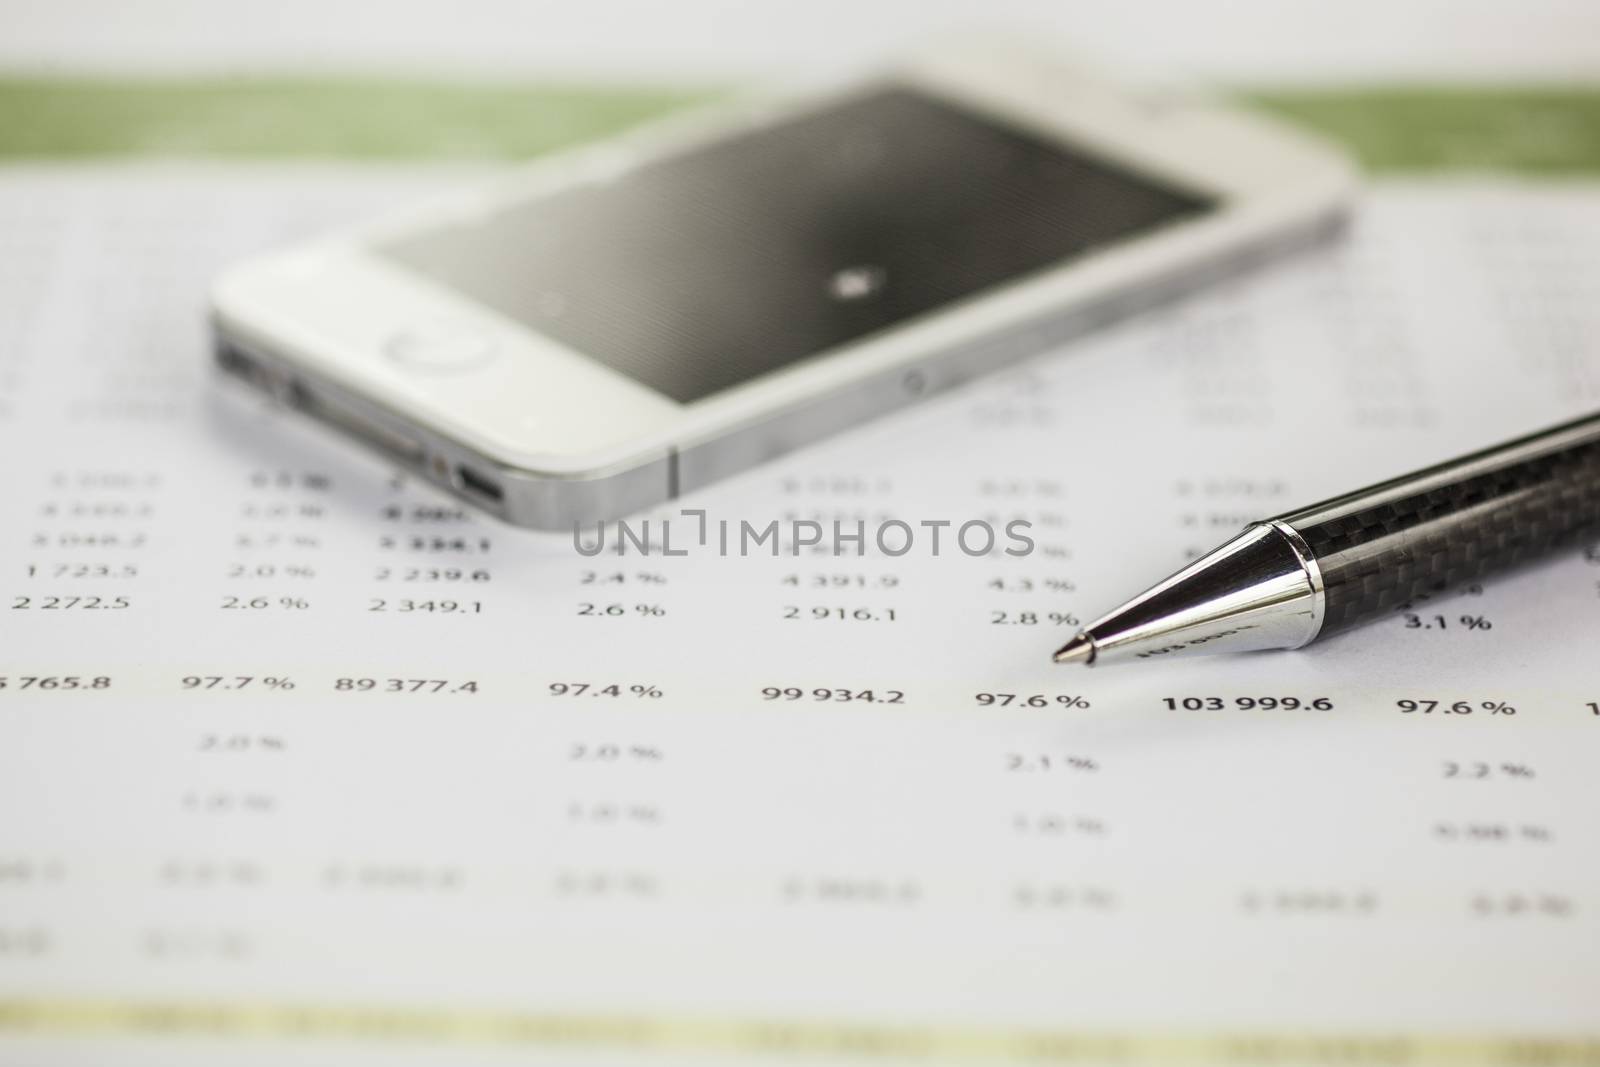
1288,581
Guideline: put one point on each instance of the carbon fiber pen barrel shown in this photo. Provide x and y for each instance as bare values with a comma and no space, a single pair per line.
1288,581
1449,525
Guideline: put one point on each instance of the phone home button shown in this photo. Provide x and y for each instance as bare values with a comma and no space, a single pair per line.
440,348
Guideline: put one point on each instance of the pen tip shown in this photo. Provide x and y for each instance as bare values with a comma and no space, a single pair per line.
1079,650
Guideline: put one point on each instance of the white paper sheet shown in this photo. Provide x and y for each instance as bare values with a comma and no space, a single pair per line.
587,835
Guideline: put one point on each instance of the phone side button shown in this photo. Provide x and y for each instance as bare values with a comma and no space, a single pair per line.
441,348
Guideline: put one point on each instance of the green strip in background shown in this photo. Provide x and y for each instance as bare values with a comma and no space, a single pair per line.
304,118
1525,131
1529,131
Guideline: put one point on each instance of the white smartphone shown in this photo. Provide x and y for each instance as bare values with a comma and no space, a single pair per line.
608,330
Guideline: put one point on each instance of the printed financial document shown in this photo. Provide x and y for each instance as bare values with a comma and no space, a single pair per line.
301,761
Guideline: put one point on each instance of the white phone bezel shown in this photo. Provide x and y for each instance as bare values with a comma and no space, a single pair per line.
537,406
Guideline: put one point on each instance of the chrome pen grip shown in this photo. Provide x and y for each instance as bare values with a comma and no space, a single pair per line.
1383,546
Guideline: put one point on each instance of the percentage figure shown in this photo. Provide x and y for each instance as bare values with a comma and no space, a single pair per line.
1034,762
624,577
1439,622
615,689
1030,700
1460,707
241,743
1054,824
1480,770
613,753
1492,832
235,681
598,611
1062,618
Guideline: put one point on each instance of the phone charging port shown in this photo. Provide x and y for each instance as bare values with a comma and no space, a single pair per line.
477,485
235,362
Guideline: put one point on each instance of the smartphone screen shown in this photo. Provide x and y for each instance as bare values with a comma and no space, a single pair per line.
694,273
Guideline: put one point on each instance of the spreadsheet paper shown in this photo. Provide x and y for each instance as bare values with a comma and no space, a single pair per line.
300,758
